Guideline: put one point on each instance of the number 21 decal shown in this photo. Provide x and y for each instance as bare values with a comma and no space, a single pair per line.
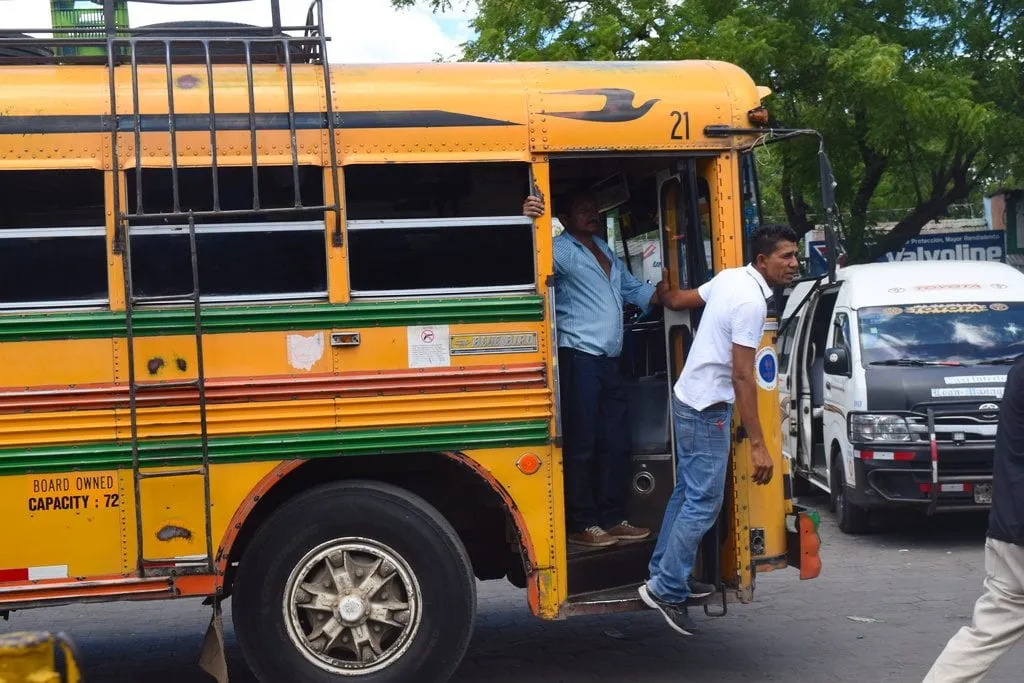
681,118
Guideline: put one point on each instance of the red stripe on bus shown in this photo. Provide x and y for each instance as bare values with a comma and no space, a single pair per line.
7,575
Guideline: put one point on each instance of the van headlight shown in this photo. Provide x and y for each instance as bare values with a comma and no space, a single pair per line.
879,428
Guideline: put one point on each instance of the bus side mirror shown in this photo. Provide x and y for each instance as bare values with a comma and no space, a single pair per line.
837,361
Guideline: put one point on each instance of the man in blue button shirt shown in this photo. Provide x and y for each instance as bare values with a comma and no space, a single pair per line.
591,284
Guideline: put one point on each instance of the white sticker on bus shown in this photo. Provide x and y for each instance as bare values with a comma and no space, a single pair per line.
429,346
304,352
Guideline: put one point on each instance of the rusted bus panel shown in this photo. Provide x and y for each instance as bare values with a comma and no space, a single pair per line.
527,498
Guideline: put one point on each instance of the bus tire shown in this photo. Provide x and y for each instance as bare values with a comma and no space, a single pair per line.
850,518
410,619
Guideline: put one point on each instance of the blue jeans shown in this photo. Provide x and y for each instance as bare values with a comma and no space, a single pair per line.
702,458
596,439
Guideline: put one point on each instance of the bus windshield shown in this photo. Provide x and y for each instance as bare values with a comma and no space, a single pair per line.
965,333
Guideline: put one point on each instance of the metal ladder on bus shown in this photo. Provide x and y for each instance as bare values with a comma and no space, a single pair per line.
182,565
126,44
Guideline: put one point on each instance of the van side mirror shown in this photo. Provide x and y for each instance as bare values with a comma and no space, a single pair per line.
837,361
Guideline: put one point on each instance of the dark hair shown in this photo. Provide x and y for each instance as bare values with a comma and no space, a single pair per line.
565,200
765,239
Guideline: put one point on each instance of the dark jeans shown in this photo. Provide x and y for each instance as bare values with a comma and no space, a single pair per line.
596,439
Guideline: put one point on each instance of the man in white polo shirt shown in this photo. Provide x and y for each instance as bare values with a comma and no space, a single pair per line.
719,371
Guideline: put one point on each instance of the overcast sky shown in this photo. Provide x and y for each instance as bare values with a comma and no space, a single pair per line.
360,30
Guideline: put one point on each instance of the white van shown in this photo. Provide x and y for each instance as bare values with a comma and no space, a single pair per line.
890,381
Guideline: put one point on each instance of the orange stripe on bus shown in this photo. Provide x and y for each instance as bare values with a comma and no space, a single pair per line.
241,389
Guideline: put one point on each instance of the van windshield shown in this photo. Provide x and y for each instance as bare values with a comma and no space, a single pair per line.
942,332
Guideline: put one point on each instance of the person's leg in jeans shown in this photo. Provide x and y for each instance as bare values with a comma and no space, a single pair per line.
683,427
702,458
580,387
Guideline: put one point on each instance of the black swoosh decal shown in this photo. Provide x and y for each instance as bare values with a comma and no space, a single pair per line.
618,106
156,123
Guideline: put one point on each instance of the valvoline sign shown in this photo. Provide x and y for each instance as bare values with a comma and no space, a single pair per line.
984,245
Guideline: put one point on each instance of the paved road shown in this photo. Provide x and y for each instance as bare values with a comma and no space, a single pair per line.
917,579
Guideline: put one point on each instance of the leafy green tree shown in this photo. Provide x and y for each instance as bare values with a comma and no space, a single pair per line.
921,102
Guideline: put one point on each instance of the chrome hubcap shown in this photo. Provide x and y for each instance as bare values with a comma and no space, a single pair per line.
352,606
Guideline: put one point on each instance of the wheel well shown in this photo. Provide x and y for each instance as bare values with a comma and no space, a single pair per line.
469,502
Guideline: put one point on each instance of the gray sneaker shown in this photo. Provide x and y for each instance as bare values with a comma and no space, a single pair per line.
675,615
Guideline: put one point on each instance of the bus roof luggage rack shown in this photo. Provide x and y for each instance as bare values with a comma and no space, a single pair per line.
81,28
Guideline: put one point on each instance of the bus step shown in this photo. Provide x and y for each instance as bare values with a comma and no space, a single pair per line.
157,386
181,299
173,473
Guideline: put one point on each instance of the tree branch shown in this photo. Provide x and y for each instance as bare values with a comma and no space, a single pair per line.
793,201
959,183
874,168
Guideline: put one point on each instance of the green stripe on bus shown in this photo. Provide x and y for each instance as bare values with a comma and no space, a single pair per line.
221,319
111,455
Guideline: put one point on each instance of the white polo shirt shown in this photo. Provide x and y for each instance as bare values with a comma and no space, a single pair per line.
735,314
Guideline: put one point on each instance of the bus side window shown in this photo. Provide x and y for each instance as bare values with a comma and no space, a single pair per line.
278,256
436,229
53,239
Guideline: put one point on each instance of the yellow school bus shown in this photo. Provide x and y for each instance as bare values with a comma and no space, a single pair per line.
277,330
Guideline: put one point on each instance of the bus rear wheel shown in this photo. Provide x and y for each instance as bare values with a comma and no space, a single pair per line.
354,581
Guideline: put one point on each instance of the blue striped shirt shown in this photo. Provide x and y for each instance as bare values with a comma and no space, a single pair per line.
588,303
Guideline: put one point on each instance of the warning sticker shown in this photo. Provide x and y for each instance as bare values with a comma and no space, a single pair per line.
429,347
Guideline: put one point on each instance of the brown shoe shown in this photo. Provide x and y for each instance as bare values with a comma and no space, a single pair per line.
624,531
594,537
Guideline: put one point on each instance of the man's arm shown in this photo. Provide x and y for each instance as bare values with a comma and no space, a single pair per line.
682,299
633,290
746,325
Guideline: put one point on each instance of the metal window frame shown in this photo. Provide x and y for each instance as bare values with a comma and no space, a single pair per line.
453,222
34,233
229,228
71,232
496,290
317,227
55,305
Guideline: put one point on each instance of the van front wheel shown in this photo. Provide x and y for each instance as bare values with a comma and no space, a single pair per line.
354,581
850,517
